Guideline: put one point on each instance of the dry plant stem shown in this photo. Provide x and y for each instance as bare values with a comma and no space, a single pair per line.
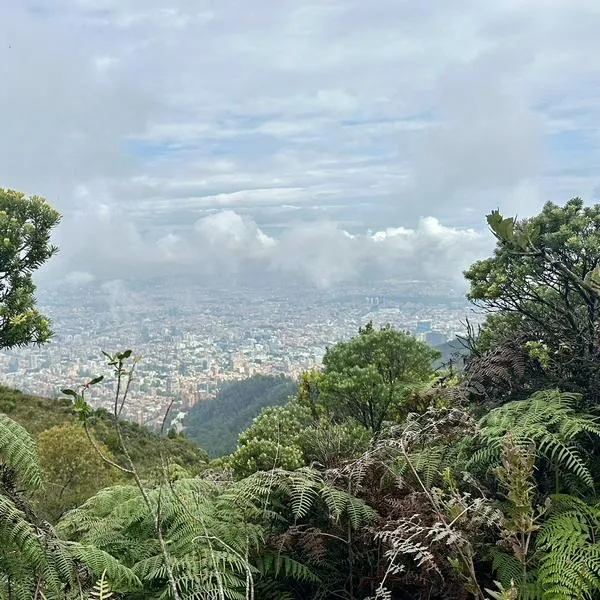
101,454
467,561
120,372
163,464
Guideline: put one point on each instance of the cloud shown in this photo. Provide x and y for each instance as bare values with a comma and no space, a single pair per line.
78,278
305,121
225,244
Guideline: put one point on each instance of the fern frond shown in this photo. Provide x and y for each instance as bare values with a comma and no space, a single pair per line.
278,565
18,452
550,421
101,589
99,562
569,563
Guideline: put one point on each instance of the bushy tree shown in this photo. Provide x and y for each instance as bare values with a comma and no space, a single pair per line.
370,377
25,227
272,441
540,287
73,470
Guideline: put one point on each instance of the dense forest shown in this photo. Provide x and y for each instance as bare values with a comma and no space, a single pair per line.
383,477
215,425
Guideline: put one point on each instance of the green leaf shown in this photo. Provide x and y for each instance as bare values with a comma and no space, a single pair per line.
96,380
69,392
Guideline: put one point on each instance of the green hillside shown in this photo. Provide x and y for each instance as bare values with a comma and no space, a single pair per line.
38,414
216,424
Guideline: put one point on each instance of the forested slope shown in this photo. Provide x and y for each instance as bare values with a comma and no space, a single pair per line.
37,414
216,424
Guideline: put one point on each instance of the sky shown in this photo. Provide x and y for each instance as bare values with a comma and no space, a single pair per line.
322,139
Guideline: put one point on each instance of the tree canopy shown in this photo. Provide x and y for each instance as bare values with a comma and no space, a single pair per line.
370,377
538,288
25,227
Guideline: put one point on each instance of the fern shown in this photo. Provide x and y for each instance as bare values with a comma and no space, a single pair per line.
277,565
18,452
216,530
569,563
550,421
101,590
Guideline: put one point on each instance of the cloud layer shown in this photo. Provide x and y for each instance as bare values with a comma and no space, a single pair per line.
326,138
225,244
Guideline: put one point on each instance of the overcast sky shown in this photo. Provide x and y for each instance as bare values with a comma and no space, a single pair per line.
327,138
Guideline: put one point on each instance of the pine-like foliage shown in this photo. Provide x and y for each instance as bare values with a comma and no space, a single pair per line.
551,422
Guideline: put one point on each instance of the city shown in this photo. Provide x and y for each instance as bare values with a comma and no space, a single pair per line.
193,336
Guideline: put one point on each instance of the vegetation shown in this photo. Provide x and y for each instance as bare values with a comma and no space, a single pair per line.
369,378
215,425
25,228
37,415
381,479
540,289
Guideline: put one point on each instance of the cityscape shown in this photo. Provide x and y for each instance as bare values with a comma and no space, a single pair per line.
191,337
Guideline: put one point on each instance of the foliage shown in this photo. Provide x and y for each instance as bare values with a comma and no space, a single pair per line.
220,531
37,415
550,422
273,440
542,278
370,377
73,470
215,424
34,562
25,227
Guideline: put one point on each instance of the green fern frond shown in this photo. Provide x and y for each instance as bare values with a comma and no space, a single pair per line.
99,562
550,421
507,568
569,563
278,565
18,451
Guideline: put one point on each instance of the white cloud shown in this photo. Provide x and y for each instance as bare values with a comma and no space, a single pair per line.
225,243
360,115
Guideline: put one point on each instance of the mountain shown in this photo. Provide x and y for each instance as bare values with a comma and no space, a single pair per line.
37,414
215,425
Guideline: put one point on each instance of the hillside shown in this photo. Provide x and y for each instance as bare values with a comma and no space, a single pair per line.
216,424
454,350
38,414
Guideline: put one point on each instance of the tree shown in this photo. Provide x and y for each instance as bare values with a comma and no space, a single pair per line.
25,226
369,378
540,288
273,440
73,470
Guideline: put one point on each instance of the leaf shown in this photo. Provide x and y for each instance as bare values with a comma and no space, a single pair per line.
69,392
96,380
502,228
125,354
